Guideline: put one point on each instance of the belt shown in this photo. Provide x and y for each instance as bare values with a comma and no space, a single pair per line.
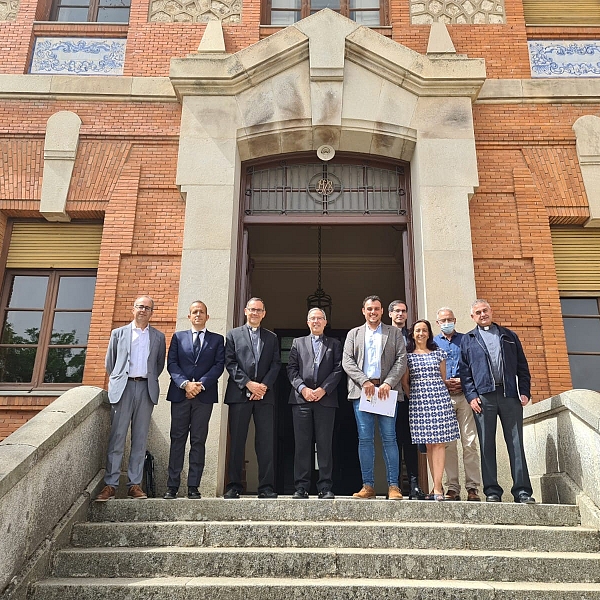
137,378
375,381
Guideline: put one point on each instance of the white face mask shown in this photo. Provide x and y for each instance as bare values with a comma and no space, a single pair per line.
447,328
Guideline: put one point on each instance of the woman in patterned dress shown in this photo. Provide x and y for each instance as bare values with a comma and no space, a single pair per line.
431,417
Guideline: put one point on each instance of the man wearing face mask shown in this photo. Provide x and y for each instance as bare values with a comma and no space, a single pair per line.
449,341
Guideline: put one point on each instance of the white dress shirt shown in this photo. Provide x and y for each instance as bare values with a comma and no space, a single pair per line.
140,350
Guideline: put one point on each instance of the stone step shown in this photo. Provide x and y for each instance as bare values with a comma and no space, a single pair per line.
201,588
344,534
500,565
340,509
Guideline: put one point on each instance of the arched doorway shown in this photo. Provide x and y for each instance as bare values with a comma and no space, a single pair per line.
361,208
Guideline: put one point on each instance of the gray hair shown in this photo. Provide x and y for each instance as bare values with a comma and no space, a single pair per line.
255,299
444,308
313,310
479,301
146,296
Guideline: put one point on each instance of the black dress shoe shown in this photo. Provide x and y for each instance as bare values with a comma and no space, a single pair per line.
300,494
231,494
268,493
417,494
170,494
193,493
326,495
493,498
524,498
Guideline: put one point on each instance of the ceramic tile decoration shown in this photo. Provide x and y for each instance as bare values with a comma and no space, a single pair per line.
78,56
551,58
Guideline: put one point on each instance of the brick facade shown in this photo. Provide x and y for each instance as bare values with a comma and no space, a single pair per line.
125,174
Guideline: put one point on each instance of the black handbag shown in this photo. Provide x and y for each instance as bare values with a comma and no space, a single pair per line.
149,481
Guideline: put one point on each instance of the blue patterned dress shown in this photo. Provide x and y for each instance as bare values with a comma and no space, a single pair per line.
430,413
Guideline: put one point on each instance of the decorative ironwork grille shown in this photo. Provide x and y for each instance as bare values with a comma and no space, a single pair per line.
325,188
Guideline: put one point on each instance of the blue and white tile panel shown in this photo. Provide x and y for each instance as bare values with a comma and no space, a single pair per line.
550,58
78,56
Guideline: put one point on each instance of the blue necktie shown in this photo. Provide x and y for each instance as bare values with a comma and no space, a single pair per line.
196,345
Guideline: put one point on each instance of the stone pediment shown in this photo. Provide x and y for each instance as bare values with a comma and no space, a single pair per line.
327,40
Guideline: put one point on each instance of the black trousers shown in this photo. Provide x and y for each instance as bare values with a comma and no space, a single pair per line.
239,420
406,447
189,417
308,418
510,411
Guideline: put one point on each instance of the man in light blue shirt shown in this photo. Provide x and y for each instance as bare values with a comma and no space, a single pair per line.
372,365
375,356
449,340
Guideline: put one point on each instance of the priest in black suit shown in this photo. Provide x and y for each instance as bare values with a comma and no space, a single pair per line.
314,370
195,361
253,363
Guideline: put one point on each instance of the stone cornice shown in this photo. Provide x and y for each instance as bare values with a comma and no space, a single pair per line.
540,91
230,74
87,88
424,76
159,89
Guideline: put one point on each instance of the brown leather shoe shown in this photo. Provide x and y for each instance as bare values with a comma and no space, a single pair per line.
107,493
473,495
366,493
452,495
135,491
394,493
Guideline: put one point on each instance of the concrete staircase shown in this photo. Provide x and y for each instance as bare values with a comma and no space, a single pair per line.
342,549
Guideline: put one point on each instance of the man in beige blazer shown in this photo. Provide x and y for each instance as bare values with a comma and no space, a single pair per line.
375,356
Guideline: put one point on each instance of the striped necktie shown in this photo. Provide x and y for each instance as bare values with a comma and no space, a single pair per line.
317,343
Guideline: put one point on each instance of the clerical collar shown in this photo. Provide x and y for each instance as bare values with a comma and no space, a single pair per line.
316,337
487,327
253,329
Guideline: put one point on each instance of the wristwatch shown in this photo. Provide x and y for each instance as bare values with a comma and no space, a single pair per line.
182,386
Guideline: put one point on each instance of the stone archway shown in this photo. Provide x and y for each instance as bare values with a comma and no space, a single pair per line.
324,80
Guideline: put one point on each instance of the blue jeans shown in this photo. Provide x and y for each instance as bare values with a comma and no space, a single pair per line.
365,423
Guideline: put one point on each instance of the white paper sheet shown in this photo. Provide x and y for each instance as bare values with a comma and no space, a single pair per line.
377,406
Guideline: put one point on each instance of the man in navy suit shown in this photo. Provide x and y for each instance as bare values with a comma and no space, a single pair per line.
314,370
195,361
252,361
134,360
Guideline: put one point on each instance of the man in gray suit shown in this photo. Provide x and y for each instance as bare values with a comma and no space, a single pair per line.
314,370
134,360
375,356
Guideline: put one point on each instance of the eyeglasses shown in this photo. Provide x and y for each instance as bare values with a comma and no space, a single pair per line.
446,320
316,319
142,307
256,310
399,310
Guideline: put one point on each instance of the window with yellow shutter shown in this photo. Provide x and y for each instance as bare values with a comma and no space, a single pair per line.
46,304
562,12
577,260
